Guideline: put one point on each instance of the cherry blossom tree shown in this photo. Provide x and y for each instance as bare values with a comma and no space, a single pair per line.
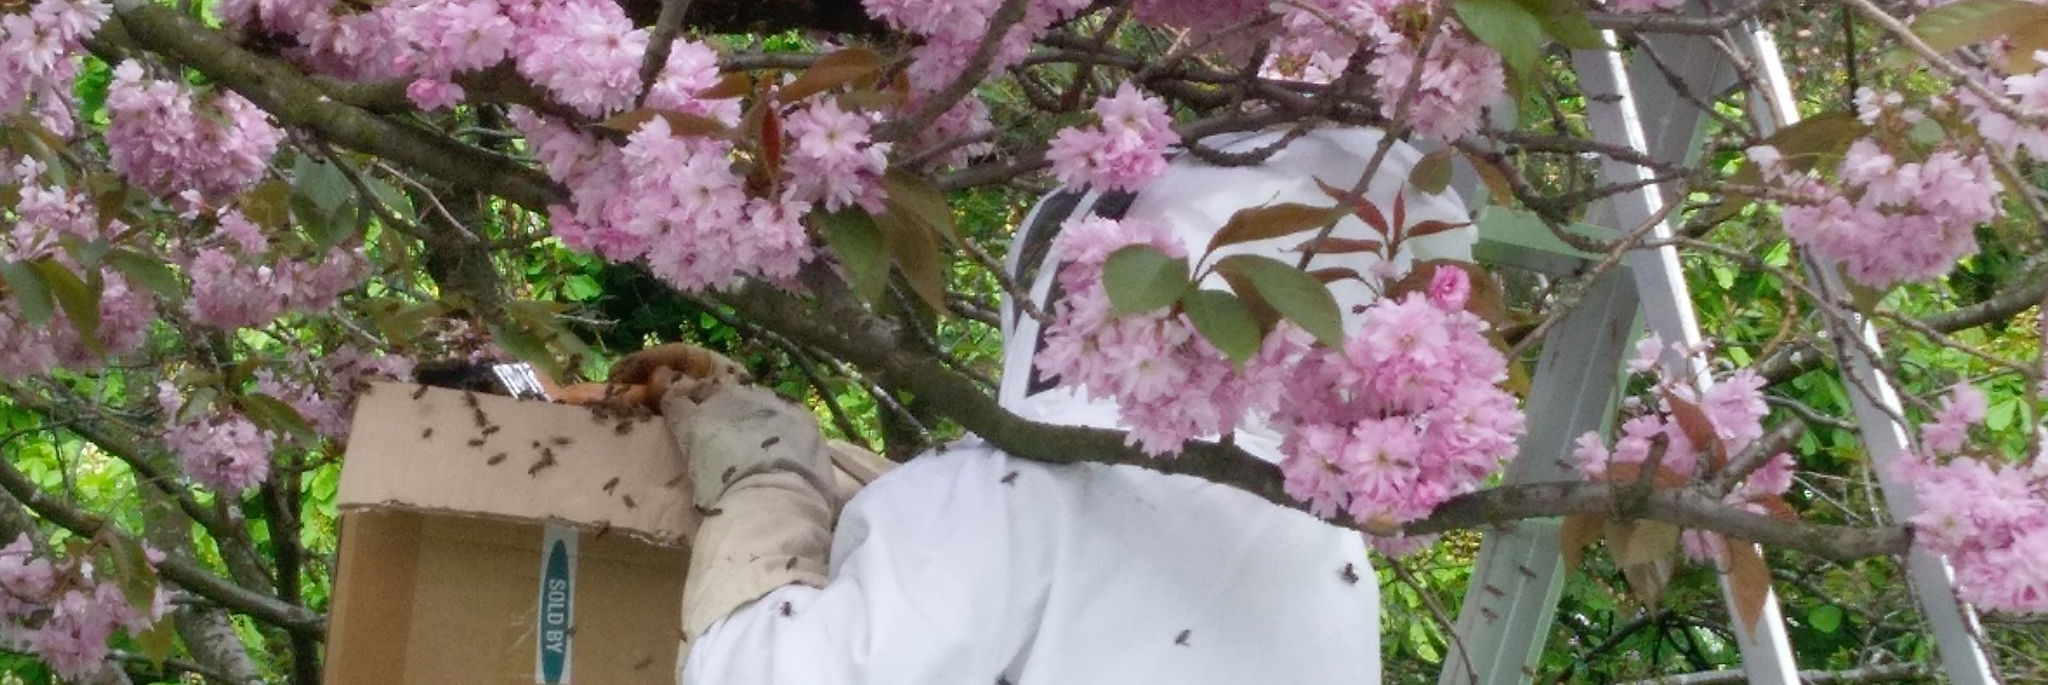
223,219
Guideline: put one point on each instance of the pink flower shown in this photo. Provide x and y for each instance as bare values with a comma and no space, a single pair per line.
1124,152
1449,287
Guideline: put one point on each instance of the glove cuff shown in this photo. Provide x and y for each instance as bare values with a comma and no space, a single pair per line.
769,529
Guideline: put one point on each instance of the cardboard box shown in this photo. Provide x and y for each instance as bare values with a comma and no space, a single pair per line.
487,539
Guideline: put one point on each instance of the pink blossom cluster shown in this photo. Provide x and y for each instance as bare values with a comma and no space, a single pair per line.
65,611
1734,409
673,200
160,140
833,161
1988,515
327,36
1460,76
952,32
1408,415
2028,93
1170,384
217,448
38,58
1226,23
1123,152
45,215
240,284
1883,220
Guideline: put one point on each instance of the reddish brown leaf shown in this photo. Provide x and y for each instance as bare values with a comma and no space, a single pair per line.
1362,208
679,123
1699,429
1748,580
1578,532
1333,274
1331,244
1272,221
736,84
1664,479
831,71
1433,227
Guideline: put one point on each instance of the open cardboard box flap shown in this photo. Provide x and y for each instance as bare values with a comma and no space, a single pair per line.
434,450
492,540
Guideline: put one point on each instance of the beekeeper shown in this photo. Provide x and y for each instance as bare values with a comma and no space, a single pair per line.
967,565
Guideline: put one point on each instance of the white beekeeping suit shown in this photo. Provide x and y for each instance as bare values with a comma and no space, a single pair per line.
969,566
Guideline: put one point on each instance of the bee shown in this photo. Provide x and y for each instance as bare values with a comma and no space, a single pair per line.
1349,573
770,442
469,399
1182,638
495,459
1010,478
1000,680
561,441
1491,590
419,392
603,527
643,664
1526,571
427,434
613,483
672,482
547,459
708,512
786,610
790,565
482,420
628,499
1489,613
476,442
623,428
492,430
730,471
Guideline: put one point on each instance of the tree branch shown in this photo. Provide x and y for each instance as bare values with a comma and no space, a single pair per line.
294,619
865,341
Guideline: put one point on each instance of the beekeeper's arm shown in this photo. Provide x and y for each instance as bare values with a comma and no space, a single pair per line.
924,592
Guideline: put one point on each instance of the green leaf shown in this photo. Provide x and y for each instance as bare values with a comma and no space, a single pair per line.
398,203
917,256
268,204
1140,278
80,299
853,236
1969,22
156,642
1826,618
1292,292
273,414
919,201
31,296
1273,221
831,71
322,183
1566,21
149,272
1223,320
1432,174
1510,28
132,573
517,339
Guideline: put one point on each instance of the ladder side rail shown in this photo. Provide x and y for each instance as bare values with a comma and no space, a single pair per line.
1519,576
1954,623
1666,300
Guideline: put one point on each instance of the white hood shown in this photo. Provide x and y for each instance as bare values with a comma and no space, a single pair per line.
1196,198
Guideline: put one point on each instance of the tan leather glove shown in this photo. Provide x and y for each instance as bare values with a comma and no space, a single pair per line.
763,482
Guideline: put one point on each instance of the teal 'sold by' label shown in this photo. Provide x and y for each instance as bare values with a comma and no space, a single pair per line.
556,632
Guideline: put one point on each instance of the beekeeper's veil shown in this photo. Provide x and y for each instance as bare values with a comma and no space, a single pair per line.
1196,198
